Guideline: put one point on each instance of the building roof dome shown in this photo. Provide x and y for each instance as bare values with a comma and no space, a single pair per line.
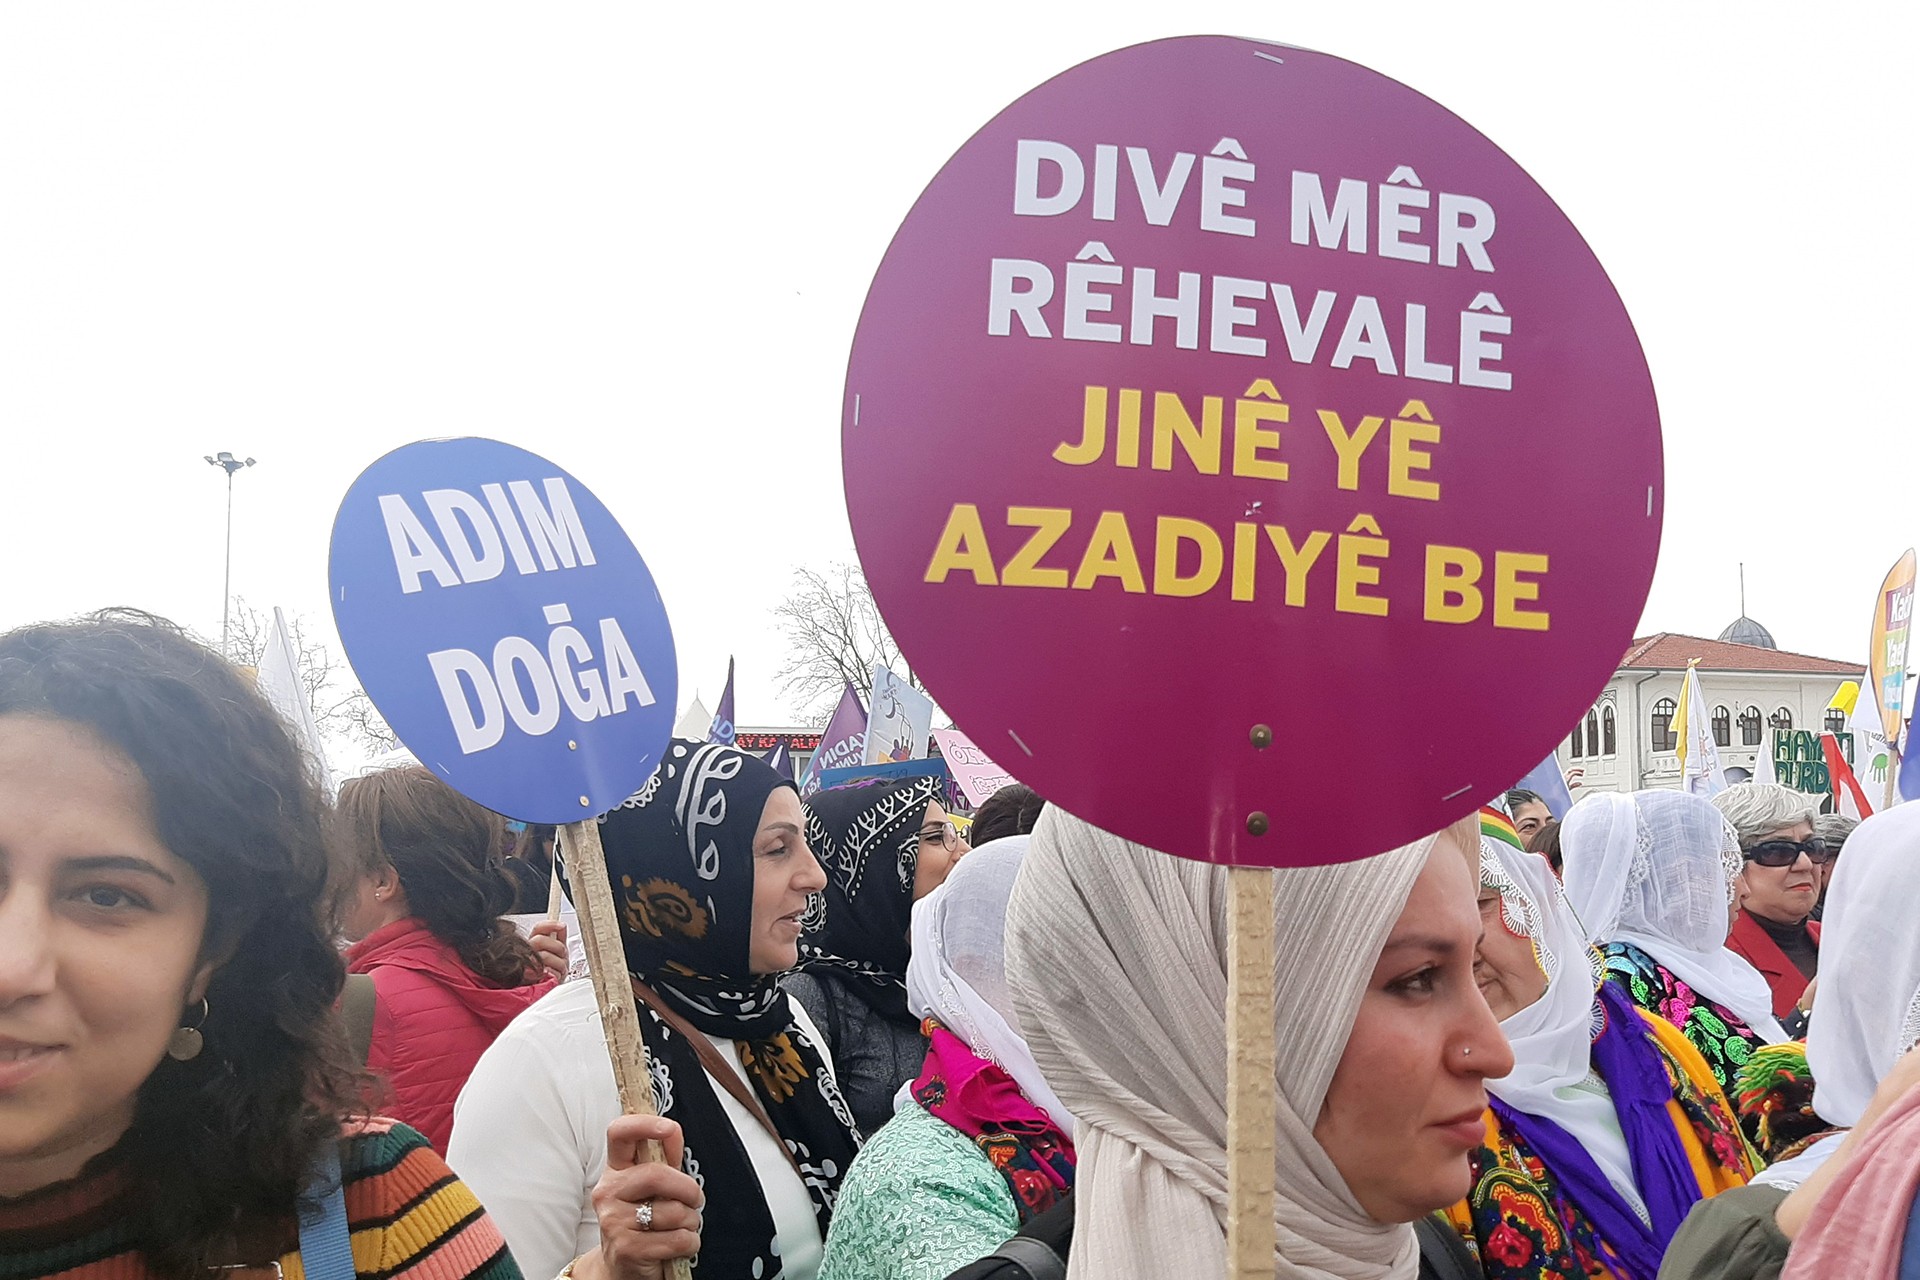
1744,630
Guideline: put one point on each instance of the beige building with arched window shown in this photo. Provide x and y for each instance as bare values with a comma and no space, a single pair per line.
1626,741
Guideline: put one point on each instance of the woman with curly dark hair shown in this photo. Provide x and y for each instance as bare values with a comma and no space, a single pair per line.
429,885
175,1093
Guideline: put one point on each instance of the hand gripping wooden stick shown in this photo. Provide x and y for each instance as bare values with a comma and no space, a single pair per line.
607,960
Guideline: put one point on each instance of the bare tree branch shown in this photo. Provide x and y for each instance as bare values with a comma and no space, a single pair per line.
340,707
835,637
313,661
355,717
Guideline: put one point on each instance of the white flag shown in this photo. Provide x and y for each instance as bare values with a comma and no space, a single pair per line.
278,678
1699,756
1763,770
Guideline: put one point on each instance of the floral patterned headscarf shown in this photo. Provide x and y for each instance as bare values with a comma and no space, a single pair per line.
680,860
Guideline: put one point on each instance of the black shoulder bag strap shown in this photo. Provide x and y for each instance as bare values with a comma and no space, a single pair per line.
356,1010
1443,1254
1038,1252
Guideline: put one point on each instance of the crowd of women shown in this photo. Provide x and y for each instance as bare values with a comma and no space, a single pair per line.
246,1027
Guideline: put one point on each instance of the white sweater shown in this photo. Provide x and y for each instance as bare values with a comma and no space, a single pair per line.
530,1137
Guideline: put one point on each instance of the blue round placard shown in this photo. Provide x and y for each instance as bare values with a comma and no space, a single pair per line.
505,626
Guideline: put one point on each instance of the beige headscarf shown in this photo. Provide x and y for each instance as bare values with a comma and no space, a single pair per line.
1117,958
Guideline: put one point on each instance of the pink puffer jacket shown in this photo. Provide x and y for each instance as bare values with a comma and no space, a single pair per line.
432,1019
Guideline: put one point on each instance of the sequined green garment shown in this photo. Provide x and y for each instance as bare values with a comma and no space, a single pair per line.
1726,1042
920,1202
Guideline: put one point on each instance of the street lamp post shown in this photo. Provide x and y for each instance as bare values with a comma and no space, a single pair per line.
229,464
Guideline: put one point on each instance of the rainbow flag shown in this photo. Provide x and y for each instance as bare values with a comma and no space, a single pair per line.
1498,825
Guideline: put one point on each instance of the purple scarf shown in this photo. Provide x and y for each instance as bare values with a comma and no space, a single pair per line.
1629,1060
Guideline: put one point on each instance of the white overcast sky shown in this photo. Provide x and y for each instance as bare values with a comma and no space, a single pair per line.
635,238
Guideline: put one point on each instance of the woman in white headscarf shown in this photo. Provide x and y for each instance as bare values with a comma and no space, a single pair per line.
1868,1013
1865,1025
1655,878
980,1147
1610,1126
1117,959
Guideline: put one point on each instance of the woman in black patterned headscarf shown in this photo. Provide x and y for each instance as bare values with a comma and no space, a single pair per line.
885,845
711,874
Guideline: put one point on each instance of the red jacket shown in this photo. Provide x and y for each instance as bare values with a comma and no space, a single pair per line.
1749,939
432,1019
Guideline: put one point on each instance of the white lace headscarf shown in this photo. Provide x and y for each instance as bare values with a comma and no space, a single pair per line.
1118,960
958,971
1656,869
1552,1038
1866,1011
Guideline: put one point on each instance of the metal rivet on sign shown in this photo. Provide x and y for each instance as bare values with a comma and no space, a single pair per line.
572,745
1256,824
584,802
1261,736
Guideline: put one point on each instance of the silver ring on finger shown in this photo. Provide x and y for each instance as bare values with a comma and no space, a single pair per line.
643,1216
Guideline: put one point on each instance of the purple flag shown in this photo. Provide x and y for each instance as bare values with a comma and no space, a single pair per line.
842,744
721,730
780,760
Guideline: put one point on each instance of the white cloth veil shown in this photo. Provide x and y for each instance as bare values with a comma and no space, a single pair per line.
1866,1012
1655,869
958,971
1117,957
1552,1038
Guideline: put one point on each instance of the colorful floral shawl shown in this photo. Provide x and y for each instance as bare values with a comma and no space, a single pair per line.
1520,1223
1726,1042
1774,1092
982,1101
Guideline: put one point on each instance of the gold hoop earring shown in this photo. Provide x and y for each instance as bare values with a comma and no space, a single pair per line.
185,1043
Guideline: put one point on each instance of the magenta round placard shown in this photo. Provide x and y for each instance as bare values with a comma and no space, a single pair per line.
1249,455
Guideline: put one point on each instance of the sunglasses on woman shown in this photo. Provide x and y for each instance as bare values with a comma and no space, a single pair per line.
1784,853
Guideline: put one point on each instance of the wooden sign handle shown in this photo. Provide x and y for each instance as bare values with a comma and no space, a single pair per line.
553,890
1250,1074
607,961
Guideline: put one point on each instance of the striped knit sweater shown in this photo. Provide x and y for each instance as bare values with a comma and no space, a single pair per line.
410,1217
